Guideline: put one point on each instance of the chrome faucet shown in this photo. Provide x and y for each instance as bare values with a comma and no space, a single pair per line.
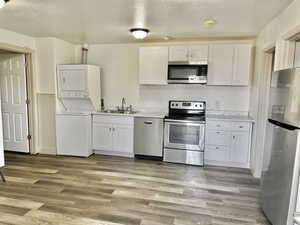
123,104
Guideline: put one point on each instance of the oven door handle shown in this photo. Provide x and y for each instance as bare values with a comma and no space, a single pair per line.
184,121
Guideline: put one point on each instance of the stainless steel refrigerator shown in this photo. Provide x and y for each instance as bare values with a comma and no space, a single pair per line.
280,175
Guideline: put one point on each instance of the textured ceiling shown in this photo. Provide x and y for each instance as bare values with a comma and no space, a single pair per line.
108,21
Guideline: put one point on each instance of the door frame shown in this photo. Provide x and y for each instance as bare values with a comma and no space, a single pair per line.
256,158
31,107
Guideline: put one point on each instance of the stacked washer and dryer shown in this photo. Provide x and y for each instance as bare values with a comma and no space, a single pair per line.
79,92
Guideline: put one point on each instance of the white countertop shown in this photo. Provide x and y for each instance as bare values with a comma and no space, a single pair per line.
163,114
229,117
138,114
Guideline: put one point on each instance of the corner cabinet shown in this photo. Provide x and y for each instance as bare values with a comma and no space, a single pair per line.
153,65
228,143
230,64
113,135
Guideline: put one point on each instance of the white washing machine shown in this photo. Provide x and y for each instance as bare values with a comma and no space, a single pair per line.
73,134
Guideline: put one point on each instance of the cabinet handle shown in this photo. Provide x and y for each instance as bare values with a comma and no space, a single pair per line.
241,126
114,129
148,122
218,132
233,137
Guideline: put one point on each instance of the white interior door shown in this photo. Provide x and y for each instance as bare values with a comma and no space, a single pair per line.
13,102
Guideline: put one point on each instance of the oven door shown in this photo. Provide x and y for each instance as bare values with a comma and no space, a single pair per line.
184,135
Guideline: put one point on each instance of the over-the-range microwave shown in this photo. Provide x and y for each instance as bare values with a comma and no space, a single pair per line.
187,73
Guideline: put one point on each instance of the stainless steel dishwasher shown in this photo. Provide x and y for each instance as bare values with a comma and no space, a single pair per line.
148,137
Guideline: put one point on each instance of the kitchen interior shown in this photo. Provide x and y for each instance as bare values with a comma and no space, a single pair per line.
144,127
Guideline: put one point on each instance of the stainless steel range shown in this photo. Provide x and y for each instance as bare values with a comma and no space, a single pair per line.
185,132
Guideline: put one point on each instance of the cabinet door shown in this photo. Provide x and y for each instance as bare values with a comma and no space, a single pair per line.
242,65
239,152
102,136
214,137
123,138
73,80
216,153
198,53
178,54
220,67
153,65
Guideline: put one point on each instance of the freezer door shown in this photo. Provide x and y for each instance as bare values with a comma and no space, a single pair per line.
285,96
280,174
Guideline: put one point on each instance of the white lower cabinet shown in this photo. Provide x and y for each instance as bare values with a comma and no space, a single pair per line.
113,135
102,136
228,143
239,152
123,138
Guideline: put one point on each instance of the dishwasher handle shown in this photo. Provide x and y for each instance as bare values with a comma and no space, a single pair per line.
148,122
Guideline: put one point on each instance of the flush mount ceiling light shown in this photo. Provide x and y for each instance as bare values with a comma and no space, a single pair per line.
139,33
3,2
210,22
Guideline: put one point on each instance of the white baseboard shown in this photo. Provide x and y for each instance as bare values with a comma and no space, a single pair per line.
227,164
47,151
112,153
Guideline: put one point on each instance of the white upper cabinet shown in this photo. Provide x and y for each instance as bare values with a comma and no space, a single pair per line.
178,54
192,54
220,66
229,64
198,53
153,65
242,65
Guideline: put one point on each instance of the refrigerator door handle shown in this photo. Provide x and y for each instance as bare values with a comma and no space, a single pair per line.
283,125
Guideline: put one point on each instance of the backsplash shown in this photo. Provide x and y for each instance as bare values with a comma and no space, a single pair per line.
219,99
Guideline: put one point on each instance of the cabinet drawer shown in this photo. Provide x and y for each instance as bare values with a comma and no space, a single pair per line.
218,125
217,138
240,126
216,153
126,120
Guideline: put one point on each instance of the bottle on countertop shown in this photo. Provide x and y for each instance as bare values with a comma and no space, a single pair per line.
102,104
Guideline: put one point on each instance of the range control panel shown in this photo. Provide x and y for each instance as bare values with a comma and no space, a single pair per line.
187,105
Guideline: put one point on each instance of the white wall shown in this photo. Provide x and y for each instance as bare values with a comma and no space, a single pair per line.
297,55
119,72
19,40
218,98
50,53
271,34
119,63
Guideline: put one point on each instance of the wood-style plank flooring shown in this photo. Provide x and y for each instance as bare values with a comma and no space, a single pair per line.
103,190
